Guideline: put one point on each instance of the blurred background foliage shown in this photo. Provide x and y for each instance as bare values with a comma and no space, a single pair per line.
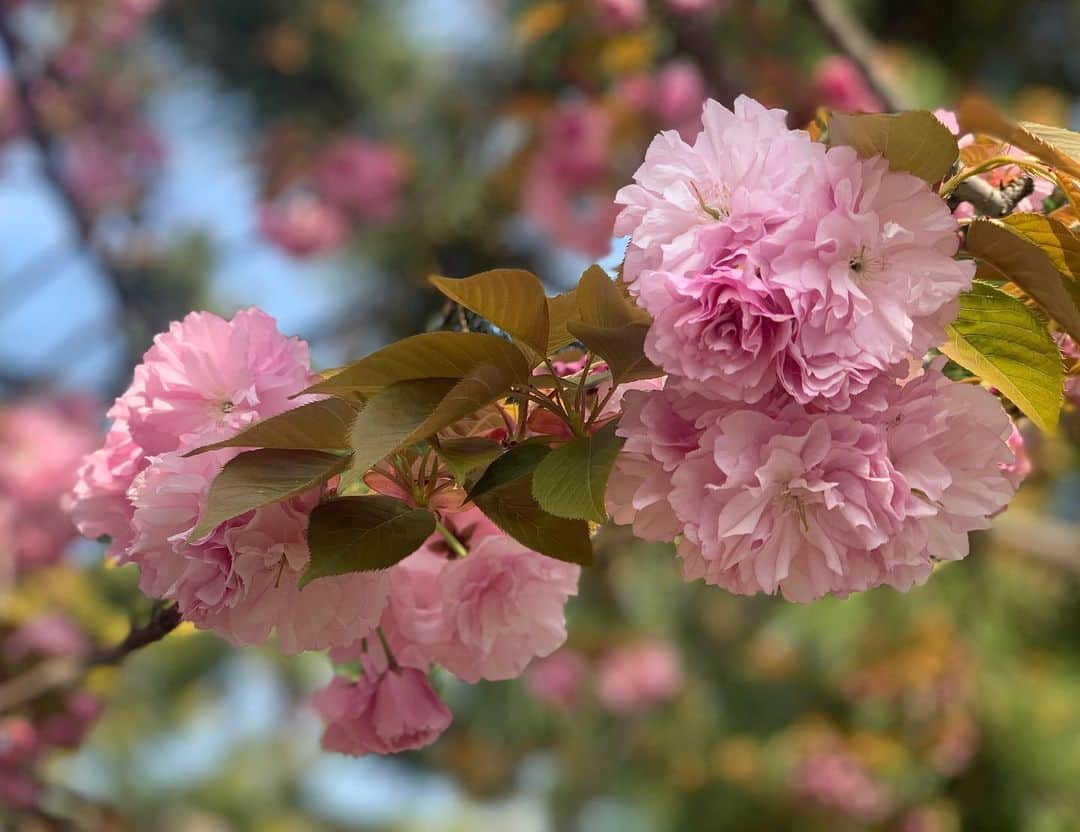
321,158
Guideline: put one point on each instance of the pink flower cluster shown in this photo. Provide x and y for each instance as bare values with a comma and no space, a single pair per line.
484,616
41,443
354,180
793,448
481,616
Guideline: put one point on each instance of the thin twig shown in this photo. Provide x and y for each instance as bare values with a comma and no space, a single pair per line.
849,37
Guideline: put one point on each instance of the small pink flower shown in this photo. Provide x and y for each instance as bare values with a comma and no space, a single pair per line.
839,85
696,6
556,680
639,677
678,94
303,225
835,780
398,711
363,177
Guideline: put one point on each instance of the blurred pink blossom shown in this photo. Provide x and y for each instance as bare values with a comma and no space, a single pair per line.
556,680
840,85
638,677
363,177
303,224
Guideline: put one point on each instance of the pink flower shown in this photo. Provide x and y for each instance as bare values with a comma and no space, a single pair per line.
766,260
41,443
781,498
839,85
363,177
745,170
639,677
576,143
107,170
678,93
620,14
835,780
98,503
502,606
303,225
207,374
556,680
398,711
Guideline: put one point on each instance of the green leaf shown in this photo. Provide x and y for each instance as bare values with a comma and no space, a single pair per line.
258,478
913,141
571,480
602,304
428,355
1002,342
518,462
512,507
561,310
465,454
321,425
1008,247
410,411
361,534
512,299
622,348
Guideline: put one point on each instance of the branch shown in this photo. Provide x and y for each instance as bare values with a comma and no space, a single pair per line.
850,38
55,674
991,201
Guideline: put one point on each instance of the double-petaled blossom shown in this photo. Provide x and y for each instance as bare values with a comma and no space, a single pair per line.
779,498
482,616
768,261
201,381
384,713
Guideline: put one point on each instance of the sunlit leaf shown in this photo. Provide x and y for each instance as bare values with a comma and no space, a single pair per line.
913,141
258,478
1057,242
1001,341
512,299
321,425
1015,247
571,480
428,355
361,534
976,115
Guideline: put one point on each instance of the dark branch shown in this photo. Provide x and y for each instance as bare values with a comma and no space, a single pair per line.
990,201
164,620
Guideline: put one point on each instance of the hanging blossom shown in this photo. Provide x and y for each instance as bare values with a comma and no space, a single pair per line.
770,261
775,497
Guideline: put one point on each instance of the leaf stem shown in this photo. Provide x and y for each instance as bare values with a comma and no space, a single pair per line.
456,546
